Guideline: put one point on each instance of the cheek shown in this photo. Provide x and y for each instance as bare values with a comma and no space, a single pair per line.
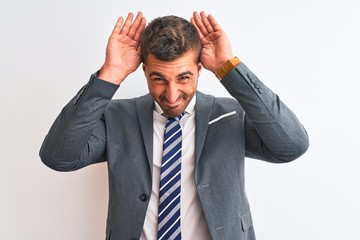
190,89
155,90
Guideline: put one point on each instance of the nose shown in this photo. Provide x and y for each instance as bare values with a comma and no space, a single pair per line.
172,93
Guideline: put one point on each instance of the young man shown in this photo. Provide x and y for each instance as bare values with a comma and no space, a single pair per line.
189,183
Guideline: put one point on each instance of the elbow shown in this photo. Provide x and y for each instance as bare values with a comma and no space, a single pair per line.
303,146
287,150
46,154
49,162
300,147
56,164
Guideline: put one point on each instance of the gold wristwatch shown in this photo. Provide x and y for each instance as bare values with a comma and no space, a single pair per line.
227,67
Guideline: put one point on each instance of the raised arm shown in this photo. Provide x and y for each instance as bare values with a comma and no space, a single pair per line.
273,132
77,138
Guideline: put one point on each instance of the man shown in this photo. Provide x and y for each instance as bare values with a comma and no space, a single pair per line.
193,186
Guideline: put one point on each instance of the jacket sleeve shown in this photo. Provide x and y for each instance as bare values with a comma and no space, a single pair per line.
77,138
272,131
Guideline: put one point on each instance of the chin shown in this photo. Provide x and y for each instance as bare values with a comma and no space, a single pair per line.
173,112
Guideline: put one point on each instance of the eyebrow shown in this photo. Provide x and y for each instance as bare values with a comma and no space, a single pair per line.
156,74
185,73
179,75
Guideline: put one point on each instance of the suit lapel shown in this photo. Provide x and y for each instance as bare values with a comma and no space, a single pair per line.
144,108
203,109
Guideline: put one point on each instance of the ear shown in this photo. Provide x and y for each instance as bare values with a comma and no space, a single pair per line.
199,68
144,67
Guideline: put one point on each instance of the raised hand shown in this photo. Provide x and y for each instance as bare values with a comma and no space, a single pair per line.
216,46
123,49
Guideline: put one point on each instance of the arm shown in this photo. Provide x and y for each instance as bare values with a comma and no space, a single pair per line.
77,138
272,131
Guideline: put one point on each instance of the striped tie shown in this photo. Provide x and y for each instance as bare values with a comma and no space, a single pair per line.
169,194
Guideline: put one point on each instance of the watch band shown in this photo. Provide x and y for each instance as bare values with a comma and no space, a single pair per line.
227,67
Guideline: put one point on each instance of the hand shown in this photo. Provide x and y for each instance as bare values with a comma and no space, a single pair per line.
123,49
216,46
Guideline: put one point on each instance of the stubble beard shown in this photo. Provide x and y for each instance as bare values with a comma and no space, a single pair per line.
176,110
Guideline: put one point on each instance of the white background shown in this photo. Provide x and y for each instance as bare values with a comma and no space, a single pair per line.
306,51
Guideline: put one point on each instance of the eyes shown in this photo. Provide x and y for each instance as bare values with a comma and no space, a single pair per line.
182,78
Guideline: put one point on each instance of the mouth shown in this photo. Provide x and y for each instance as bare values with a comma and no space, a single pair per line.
172,105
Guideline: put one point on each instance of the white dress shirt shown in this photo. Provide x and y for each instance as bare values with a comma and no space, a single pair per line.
193,223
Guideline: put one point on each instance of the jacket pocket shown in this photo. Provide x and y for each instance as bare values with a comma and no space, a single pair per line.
246,220
224,117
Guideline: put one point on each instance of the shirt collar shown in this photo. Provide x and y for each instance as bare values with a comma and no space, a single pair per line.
190,109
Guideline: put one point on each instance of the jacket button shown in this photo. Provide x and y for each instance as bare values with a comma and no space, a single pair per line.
251,80
144,197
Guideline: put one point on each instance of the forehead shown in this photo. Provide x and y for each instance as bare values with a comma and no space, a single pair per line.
188,61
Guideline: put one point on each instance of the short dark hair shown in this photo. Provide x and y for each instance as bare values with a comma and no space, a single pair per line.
169,37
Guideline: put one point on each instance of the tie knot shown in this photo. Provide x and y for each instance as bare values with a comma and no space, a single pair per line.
177,118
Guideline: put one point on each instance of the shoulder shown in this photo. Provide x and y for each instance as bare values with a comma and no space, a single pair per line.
127,106
117,104
218,102
219,105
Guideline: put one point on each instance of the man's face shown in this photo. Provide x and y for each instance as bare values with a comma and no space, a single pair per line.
172,84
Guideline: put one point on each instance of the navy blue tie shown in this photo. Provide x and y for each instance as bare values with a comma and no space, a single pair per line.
170,182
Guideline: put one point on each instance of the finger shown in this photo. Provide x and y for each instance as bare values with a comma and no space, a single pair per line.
206,22
118,25
199,24
215,25
140,29
193,22
125,28
135,25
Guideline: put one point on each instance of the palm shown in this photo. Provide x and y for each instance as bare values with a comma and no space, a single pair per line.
123,52
216,48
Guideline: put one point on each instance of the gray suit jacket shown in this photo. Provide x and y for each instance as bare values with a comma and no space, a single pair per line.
255,123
